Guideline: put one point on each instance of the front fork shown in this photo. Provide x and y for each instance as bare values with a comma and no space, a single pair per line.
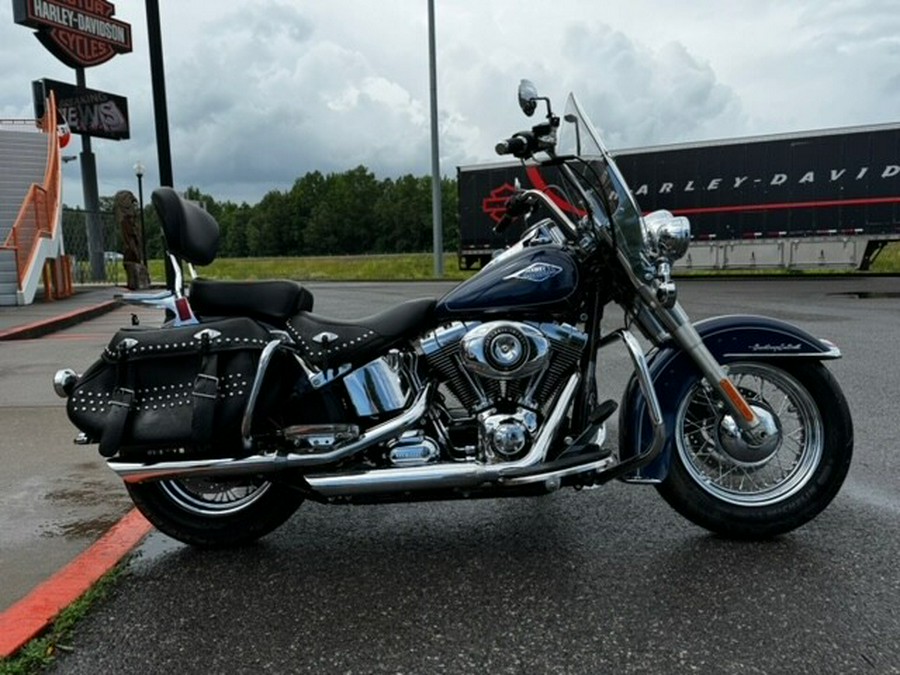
658,322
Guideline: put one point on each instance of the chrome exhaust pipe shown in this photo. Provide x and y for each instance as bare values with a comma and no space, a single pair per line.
437,476
140,472
375,481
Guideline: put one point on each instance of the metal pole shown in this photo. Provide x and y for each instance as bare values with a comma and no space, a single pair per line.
139,172
95,234
436,199
160,113
160,109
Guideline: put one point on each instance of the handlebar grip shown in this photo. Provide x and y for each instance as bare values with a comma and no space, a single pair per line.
517,206
512,146
504,222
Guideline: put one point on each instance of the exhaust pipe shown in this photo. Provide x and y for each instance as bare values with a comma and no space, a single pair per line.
428,477
437,476
134,472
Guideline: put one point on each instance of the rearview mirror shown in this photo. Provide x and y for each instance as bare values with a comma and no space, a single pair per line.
528,97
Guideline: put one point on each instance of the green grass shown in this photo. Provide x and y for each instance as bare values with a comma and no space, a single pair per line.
888,261
419,267
38,654
401,267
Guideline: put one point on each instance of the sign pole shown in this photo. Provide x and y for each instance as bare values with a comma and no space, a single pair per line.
436,197
95,238
160,113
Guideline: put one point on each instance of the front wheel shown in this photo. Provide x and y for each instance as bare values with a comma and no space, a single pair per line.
215,513
757,491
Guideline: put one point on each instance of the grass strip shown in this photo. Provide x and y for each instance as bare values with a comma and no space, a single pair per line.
41,652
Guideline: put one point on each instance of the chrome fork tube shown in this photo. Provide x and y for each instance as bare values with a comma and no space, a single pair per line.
686,336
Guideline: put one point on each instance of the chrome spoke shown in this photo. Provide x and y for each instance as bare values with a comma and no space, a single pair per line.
209,497
774,477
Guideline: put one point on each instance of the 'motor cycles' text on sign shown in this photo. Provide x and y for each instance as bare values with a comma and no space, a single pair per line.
80,33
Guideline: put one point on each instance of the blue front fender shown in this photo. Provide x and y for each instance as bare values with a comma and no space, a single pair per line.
729,338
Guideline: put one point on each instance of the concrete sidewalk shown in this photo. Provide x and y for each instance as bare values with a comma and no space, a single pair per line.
65,518
46,316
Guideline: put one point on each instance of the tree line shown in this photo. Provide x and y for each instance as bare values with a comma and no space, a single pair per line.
346,213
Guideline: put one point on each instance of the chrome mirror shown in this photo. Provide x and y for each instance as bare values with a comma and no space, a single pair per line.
528,97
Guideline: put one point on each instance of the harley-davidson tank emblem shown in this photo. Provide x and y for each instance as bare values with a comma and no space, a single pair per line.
536,272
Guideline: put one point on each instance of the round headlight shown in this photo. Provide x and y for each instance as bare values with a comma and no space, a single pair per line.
668,236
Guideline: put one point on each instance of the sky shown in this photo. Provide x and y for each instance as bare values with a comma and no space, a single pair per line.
261,92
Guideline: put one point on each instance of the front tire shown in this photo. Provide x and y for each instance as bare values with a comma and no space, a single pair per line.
215,513
755,494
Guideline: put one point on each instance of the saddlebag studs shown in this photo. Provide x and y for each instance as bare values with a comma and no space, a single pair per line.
189,388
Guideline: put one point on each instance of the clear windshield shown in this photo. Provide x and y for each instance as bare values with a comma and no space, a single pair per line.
578,137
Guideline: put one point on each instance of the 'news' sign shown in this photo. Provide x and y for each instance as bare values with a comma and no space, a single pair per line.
87,111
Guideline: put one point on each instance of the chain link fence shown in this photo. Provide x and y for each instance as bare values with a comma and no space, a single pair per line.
75,240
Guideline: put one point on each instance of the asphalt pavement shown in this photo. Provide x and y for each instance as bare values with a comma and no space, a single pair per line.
615,579
57,501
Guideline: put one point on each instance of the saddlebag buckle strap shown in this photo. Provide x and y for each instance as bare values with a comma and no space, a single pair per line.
205,395
119,409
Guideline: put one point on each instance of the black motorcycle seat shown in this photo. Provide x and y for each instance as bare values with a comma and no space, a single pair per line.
273,301
329,343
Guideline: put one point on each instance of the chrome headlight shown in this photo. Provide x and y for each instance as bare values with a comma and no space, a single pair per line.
667,236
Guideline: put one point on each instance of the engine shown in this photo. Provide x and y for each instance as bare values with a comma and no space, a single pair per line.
498,380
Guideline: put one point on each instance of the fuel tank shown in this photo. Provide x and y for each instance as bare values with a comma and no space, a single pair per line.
520,281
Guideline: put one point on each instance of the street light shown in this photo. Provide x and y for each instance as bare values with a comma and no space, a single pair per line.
139,172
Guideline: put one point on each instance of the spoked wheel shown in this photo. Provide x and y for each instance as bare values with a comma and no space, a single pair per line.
212,512
760,489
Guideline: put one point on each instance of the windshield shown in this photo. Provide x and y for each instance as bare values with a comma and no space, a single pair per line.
596,166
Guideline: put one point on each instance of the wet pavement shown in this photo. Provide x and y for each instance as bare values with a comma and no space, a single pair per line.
56,499
605,581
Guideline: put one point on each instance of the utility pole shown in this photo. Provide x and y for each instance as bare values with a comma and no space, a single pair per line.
160,112
436,199
95,234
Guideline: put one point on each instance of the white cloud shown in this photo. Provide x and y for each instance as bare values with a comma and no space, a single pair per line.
260,92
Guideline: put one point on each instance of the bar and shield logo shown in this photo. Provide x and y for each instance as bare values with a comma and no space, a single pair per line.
80,33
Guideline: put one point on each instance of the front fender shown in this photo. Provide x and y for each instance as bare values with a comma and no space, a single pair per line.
729,338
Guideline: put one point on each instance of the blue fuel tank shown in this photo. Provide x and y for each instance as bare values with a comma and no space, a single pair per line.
519,282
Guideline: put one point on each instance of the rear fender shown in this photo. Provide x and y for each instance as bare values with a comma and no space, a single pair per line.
673,372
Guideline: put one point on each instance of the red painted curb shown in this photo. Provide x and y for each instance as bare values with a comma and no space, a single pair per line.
39,328
26,619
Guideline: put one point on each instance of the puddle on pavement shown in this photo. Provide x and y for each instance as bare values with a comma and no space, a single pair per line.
870,295
85,493
81,528
83,510
154,548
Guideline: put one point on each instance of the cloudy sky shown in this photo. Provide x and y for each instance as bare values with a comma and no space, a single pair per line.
262,91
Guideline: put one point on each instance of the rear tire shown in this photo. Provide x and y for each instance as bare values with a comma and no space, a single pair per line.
745,496
215,513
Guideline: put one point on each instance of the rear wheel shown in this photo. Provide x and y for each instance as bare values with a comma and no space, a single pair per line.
210,512
742,490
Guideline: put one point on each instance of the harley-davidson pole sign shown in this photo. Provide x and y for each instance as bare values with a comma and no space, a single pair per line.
80,33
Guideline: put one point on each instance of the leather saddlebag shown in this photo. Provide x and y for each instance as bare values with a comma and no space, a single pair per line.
179,388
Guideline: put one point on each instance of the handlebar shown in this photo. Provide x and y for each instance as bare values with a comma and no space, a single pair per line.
519,145
522,203
517,206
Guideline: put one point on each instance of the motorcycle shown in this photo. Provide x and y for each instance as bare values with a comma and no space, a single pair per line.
245,403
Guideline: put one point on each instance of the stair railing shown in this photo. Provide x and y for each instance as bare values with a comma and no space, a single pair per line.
39,215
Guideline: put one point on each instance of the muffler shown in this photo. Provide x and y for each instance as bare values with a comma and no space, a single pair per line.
442,476
140,472
378,481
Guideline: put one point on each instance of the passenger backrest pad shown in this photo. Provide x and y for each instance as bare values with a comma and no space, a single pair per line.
190,232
